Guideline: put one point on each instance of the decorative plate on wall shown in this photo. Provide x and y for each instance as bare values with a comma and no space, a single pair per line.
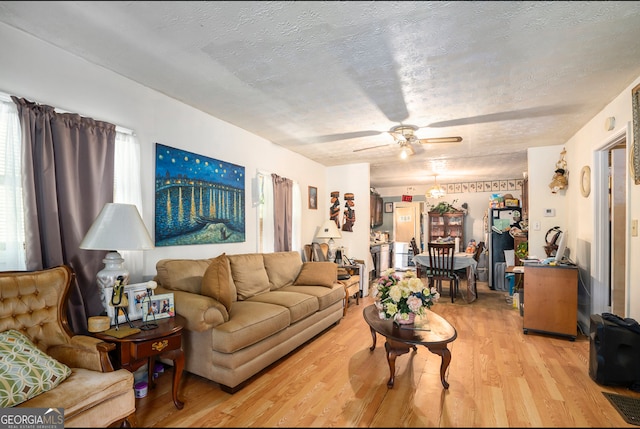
585,181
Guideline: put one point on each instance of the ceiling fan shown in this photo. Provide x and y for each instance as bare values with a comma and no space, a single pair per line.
404,136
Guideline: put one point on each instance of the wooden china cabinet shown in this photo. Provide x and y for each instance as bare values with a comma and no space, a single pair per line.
449,224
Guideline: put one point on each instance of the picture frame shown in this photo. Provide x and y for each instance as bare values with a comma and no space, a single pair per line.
313,198
388,207
220,184
137,295
158,307
134,310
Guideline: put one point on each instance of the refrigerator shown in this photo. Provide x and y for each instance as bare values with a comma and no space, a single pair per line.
402,256
499,223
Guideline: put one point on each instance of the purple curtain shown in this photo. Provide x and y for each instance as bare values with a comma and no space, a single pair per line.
67,179
282,213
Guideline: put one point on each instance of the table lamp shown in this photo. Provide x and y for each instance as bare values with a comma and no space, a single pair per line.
330,230
117,227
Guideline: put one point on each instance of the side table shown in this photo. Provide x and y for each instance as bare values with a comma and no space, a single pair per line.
165,341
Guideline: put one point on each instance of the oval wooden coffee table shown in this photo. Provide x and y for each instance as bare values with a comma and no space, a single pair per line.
400,340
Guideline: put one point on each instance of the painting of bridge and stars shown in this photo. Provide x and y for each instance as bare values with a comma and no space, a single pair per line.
199,200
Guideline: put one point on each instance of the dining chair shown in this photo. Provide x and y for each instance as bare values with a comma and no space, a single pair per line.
441,267
416,251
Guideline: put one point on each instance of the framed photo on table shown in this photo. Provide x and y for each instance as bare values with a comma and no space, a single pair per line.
158,307
132,292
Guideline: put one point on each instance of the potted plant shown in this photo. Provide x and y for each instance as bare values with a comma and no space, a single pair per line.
444,207
522,250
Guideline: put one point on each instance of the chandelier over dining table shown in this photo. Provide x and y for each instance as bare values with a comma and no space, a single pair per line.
436,191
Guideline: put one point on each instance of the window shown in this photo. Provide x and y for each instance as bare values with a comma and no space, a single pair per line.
127,187
265,227
12,251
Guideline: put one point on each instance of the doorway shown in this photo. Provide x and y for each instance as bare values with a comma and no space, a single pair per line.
610,181
406,225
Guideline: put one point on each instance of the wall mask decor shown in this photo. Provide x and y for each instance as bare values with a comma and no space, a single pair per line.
334,210
199,200
349,215
560,180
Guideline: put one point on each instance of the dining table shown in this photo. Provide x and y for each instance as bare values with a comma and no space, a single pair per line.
461,261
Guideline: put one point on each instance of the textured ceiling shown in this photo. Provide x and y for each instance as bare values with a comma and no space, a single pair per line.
327,78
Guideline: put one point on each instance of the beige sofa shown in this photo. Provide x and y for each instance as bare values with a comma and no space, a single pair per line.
34,327
246,311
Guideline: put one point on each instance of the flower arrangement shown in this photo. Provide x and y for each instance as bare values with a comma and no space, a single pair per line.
396,297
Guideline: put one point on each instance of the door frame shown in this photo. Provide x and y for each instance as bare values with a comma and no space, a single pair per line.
600,259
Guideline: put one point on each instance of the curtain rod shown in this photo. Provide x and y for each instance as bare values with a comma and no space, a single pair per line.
7,98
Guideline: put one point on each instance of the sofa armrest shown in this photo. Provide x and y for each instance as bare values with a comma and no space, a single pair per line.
201,312
84,352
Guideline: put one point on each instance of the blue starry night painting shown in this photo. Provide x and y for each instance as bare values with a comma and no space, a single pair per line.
199,200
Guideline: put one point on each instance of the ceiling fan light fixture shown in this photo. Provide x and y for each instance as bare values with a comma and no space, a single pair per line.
403,153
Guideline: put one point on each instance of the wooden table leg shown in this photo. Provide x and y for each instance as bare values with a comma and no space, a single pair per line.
373,334
177,356
394,349
443,352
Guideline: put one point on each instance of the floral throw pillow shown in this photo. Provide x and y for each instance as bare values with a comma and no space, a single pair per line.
26,371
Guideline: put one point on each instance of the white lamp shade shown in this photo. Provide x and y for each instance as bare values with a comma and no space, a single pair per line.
329,229
117,227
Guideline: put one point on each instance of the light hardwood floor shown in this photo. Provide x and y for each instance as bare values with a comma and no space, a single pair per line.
499,377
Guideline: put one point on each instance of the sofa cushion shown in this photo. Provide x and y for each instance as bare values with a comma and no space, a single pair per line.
282,268
326,296
215,281
26,370
182,274
300,305
317,274
249,322
249,275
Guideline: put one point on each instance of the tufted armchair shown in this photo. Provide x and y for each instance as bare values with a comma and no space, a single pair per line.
94,395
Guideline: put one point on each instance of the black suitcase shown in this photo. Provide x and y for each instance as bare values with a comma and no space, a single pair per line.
614,351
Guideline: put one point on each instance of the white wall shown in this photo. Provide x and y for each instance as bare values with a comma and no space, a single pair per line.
45,74
542,165
353,178
580,210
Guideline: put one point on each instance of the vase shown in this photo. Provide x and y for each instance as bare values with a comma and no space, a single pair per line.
409,321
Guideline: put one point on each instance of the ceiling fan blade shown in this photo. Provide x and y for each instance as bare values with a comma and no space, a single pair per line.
456,139
373,147
532,112
344,136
